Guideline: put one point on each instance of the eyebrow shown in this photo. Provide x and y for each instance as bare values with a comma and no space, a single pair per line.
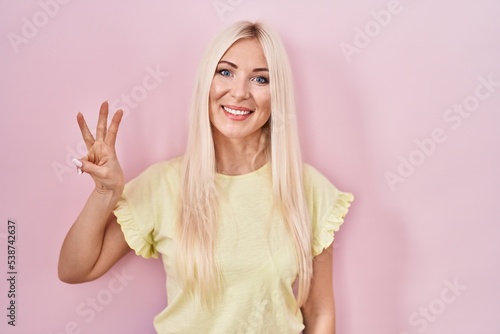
259,69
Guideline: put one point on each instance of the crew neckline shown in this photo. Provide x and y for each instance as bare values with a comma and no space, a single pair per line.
241,176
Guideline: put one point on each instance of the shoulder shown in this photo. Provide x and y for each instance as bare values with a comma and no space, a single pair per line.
313,179
319,191
163,169
166,167
158,174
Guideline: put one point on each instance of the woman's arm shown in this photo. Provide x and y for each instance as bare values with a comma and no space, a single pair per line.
319,309
95,242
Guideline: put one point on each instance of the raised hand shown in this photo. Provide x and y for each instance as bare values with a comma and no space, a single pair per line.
101,162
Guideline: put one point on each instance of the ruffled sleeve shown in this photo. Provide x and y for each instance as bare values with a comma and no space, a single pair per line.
324,233
143,245
328,207
138,211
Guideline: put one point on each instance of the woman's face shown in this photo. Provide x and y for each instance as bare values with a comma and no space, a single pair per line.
239,95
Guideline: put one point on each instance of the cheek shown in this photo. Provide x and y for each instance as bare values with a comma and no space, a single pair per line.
265,102
216,91
212,99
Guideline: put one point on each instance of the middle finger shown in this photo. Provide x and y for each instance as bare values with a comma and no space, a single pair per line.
102,122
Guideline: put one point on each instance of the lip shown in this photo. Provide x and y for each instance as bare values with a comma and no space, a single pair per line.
237,107
236,117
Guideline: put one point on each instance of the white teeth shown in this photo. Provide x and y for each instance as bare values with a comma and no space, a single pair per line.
236,112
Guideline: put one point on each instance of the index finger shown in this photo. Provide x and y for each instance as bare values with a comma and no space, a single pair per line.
84,129
113,128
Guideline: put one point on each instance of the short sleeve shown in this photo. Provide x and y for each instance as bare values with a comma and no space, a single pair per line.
328,207
137,212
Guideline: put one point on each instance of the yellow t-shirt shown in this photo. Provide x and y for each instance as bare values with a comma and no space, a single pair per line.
254,250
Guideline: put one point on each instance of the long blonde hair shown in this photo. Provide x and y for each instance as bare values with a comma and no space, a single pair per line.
197,226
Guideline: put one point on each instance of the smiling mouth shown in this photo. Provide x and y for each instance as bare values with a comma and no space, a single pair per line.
237,111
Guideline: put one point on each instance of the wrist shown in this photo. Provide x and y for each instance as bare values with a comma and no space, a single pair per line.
108,195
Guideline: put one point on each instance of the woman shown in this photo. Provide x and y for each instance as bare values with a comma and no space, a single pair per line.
237,220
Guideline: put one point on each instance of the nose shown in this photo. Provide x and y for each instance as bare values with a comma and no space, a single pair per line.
240,89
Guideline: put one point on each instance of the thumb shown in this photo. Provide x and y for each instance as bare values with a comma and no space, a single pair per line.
78,164
83,165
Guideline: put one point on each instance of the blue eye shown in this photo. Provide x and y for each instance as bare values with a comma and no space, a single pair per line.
262,80
225,73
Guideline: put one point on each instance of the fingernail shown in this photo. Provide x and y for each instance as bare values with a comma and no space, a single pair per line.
79,171
77,163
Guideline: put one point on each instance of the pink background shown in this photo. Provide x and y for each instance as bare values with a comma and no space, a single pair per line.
361,117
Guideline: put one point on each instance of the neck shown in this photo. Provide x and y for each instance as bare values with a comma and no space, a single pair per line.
234,156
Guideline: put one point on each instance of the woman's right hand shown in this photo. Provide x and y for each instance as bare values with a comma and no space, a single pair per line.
96,242
101,162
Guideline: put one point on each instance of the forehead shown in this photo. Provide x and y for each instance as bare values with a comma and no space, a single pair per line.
246,51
